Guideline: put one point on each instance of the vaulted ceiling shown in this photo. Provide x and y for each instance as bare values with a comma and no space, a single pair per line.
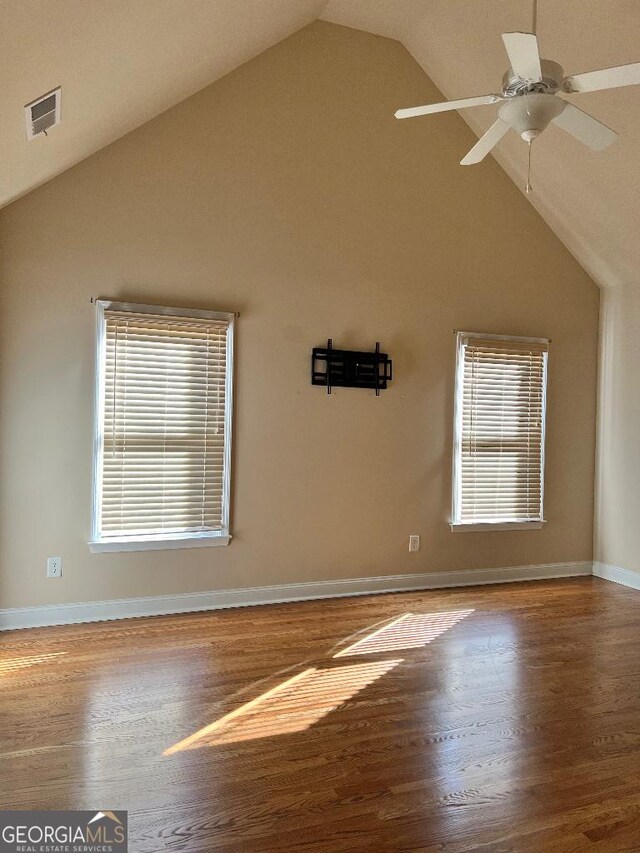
121,62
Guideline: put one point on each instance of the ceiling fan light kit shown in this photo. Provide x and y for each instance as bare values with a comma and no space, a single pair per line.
530,99
530,114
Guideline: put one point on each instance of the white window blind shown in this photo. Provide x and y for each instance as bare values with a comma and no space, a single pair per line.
163,431
499,430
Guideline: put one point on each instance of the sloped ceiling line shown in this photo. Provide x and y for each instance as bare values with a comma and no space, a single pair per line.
120,64
591,200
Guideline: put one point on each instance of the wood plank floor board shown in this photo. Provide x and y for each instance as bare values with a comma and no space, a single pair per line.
512,727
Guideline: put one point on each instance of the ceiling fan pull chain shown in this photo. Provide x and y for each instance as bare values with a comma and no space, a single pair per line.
528,187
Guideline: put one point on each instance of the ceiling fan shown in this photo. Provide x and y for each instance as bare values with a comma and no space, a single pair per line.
530,99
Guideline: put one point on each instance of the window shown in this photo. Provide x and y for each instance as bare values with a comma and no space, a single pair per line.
163,428
498,471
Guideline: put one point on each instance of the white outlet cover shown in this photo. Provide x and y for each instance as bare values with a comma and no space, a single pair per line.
414,542
54,567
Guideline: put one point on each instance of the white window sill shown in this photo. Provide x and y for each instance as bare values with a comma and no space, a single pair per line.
207,540
476,526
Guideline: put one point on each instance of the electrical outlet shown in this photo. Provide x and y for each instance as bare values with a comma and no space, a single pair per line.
414,542
54,567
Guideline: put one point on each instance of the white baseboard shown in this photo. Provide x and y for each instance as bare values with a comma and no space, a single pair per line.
162,605
627,577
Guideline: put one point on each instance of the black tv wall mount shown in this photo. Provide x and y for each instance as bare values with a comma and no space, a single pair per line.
341,368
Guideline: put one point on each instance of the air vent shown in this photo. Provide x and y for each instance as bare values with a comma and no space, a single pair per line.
43,113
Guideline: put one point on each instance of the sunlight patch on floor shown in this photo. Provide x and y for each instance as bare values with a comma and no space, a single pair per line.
291,706
15,664
409,631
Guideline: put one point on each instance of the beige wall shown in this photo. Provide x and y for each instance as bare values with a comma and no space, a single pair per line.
617,532
287,191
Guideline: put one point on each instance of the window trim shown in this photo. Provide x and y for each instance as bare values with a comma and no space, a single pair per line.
455,524
161,541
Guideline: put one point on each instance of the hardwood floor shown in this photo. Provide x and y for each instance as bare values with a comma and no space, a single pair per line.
503,718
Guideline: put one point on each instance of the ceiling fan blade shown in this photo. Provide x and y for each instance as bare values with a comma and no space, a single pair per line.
484,145
605,78
585,128
524,55
427,109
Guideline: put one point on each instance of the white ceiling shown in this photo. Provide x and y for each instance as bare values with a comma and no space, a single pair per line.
591,200
121,62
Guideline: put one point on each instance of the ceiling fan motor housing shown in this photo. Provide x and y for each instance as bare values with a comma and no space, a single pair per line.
530,114
551,82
